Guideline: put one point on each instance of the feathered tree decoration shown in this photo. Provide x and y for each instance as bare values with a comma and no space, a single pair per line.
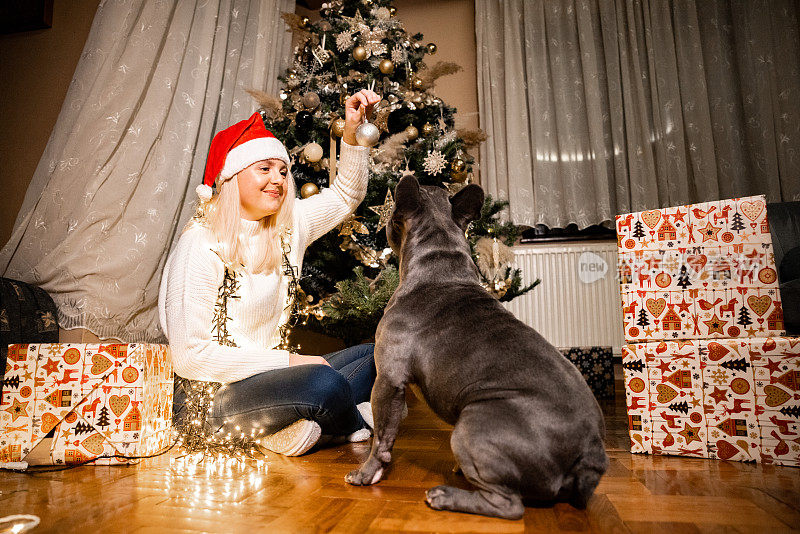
442,68
295,22
392,149
493,257
272,106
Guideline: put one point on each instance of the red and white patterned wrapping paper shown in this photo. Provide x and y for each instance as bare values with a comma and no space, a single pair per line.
101,399
698,272
729,399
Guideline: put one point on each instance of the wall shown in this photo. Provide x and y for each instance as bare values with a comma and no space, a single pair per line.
36,68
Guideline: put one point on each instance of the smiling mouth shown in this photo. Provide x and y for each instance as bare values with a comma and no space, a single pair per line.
273,193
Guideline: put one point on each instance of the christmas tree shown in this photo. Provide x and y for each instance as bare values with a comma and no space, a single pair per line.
736,365
83,428
102,419
362,44
744,317
683,277
736,222
11,382
638,230
643,320
682,407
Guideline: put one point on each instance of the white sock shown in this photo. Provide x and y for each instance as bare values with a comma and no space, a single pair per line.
359,435
365,409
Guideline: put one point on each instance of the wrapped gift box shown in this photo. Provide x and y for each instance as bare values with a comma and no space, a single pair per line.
731,399
97,399
596,366
698,272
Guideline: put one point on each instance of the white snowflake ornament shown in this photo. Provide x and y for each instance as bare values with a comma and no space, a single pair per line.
399,55
434,162
344,41
382,13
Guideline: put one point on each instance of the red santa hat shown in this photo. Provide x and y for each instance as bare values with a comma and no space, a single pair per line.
236,148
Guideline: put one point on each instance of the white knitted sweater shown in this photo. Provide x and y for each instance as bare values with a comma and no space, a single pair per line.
194,273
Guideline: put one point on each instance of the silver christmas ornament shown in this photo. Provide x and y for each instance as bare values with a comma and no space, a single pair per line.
367,134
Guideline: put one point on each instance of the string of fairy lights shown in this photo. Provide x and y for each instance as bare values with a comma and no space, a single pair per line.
201,443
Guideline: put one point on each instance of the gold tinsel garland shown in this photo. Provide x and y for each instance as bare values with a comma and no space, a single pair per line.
196,437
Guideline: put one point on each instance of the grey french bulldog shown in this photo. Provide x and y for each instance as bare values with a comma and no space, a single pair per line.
526,424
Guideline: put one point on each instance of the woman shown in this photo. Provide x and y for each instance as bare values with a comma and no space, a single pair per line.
224,295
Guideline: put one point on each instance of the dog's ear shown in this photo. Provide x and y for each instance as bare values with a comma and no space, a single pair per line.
406,195
466,205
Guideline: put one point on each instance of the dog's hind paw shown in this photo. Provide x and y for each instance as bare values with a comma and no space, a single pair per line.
439,497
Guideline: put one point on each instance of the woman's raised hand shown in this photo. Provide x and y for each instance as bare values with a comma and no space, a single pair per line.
356,108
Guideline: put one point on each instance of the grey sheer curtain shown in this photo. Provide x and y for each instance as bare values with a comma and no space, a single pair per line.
116,182
599,107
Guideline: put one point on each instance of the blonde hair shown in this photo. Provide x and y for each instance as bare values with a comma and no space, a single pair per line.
222,215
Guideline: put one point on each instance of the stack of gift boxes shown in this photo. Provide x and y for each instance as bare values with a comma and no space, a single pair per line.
112,402
708,371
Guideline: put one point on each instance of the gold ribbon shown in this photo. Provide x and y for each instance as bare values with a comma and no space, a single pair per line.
332,160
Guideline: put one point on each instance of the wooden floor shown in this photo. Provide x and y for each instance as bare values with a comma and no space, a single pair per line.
308,494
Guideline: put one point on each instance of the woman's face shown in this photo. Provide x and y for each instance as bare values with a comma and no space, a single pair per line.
262,188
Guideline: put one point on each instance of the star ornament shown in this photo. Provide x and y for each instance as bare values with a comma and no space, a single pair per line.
18,409
690,433
385,211
684,306
51,366
719,395
709,232
715,324
356,23
352,225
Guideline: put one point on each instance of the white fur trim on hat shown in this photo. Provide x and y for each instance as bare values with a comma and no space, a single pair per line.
248,153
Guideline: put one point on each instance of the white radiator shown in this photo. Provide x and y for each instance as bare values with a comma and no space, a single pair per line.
577,303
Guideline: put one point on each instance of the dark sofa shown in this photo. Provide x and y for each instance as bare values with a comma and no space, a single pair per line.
784,223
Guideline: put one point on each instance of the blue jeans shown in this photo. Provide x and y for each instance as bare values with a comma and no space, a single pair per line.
272,400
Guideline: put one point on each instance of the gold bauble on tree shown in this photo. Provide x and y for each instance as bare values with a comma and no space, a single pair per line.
337,126
309,189
359,53
431,48
459,176
417,83
412,132
304,22
428,128
312,152
386,66
393,11
458,164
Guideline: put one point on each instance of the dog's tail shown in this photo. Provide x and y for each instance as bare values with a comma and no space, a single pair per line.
586,473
